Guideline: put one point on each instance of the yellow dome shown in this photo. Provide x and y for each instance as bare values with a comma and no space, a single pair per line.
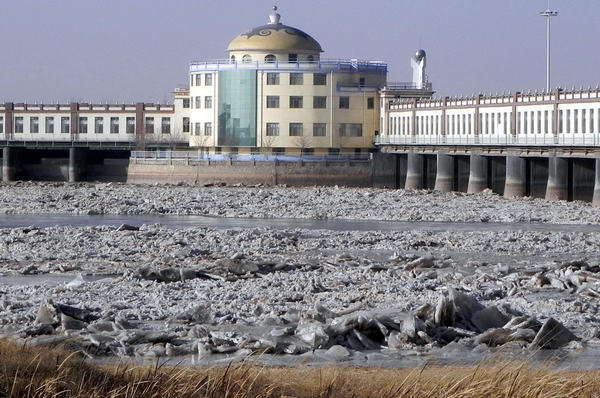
275,37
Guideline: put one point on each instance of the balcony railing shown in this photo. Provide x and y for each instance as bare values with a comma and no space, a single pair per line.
427,86
324,64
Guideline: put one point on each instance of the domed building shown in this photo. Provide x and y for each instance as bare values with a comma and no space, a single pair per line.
274,93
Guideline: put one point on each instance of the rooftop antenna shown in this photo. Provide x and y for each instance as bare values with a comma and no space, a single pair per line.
548,14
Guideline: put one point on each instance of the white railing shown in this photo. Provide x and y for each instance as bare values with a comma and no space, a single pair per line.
325,64
588,140
168,156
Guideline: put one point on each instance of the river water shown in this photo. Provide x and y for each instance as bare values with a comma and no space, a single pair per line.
187,221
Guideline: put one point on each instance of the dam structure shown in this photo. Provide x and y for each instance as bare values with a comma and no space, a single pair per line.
544,144
275,111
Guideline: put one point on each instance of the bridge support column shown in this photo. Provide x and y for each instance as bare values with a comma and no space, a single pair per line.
478,166
444,178
596,198
558,179
77,164
9,164
414,171
515,183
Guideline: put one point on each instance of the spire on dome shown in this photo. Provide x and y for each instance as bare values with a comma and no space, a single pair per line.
274,17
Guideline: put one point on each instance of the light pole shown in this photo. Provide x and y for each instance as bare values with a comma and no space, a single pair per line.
548,14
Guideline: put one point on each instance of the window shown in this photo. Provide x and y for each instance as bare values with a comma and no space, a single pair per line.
310,58
149,125
361,82
293,57
272,129
344,102
371,103
83,125
114,125
583,121
270,59
208,102
50,125
350,130
186,103
65,125
99,125
296,79
568,121
320,79
208,79
575,121
319,102
272,79
546,122
198,80
560,121
319,129
296,102
186,124
130,125
1,125
34,124
208,128
272,101
246,59
198,102
165,125
233,59
591,121
197,128
18,124
296,129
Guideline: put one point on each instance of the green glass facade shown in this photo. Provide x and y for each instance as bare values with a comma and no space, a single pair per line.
237,108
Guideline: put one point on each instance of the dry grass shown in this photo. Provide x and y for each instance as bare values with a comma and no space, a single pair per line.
35,372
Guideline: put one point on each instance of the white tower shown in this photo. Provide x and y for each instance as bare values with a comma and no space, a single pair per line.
418,63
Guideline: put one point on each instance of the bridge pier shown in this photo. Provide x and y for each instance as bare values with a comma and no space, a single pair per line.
515,183
478,174
558,179
414,171
596,198
10,163
444,179
77,164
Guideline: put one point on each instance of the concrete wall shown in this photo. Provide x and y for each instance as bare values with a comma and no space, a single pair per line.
267,173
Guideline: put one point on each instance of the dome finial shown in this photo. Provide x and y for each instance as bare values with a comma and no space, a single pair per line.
274,17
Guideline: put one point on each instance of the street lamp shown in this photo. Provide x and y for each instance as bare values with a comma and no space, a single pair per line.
548,14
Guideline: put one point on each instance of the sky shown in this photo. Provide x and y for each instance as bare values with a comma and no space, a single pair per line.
139,50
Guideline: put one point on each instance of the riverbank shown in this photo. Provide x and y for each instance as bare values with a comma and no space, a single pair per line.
43,372
281,202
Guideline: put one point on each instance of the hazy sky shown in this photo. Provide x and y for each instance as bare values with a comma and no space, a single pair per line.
139,50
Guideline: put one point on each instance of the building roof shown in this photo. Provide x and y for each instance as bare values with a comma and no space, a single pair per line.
275,37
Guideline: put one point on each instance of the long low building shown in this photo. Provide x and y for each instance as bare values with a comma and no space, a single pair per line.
559,118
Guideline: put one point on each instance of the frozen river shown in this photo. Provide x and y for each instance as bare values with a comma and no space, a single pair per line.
191,221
